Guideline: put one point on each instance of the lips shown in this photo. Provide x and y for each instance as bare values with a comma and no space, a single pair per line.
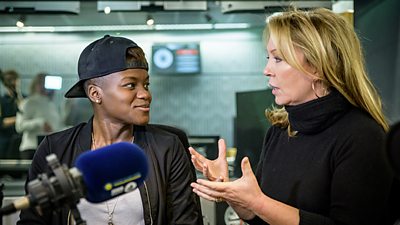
143,107
275,90
271,86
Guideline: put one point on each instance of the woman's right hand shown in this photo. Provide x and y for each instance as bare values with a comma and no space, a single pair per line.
213,170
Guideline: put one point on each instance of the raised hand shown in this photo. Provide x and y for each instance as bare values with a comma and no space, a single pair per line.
213,170
242,194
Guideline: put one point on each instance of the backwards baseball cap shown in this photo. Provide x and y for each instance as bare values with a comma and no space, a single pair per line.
102,57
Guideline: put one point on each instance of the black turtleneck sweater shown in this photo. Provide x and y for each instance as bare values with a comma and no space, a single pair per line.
334,170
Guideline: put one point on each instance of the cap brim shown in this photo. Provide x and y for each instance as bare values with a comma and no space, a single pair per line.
77,91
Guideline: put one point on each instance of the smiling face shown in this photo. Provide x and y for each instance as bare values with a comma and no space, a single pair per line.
125,97
289,85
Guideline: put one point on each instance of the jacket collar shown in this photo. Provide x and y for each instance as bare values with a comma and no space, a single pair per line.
85,136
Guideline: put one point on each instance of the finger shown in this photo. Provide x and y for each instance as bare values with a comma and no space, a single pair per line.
197,163
246,167
203,195
207,174
193,152
213,185
221,149
197,155
197,188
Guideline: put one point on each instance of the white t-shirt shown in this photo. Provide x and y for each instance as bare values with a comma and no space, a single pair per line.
128,210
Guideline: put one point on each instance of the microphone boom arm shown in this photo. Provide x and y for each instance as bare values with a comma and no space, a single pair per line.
65,188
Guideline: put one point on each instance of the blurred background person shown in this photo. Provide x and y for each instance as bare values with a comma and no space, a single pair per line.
324,159
38,116
77,110
9,138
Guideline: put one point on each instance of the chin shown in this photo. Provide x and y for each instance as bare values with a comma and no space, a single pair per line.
143,122
280,101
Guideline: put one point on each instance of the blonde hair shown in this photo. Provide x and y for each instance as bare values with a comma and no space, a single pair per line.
332,48
38,81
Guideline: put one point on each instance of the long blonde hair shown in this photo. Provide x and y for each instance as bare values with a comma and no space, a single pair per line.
331,46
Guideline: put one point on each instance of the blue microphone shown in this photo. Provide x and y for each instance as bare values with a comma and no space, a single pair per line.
112,170
98,175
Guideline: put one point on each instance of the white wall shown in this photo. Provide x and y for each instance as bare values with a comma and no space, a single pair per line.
203,104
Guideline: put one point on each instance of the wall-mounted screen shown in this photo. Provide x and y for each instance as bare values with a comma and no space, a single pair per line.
176,58
53,82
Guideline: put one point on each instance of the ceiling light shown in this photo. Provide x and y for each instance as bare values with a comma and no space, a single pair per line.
20,22
150,20
107,10
48,29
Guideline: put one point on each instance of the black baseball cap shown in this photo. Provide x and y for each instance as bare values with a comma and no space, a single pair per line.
102,57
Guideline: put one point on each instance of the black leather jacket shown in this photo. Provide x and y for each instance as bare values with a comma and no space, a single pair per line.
166,196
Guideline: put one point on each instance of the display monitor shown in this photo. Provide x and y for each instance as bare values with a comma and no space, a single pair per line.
176,58
53,82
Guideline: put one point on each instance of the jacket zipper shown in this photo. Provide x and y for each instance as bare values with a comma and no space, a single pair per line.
148,200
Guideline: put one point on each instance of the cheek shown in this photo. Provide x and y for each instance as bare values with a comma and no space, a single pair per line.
296,87
301,91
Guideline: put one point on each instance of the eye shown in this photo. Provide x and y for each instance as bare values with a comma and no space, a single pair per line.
277,59
147,86
130,85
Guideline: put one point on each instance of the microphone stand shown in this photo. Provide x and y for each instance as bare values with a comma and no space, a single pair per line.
1,199
77,216
69,181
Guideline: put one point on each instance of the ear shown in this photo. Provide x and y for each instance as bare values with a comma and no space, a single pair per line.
94,93
312,70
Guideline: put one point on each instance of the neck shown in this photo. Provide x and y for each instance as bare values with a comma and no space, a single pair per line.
106,132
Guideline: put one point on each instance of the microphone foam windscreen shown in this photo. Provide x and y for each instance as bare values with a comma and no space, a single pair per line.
112,170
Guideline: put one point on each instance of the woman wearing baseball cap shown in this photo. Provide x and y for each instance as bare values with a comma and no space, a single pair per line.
113,75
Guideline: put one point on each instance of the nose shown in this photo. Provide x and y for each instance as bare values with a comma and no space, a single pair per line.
267,70
144,93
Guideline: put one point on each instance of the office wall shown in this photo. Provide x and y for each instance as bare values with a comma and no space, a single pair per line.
378,25
202,104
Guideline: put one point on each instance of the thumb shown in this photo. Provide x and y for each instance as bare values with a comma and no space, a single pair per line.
246,167
221,148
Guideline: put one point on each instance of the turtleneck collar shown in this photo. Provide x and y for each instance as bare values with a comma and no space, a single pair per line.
318,114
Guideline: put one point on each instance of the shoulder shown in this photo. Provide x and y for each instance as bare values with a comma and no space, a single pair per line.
360,125
60,135
30,102
164,132
175,132
275,131
57,141
161,141
357,135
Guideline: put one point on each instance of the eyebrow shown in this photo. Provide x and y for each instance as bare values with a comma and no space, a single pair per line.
135,78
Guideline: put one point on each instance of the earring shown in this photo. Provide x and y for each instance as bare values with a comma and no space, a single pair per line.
97,100
324,88
313,88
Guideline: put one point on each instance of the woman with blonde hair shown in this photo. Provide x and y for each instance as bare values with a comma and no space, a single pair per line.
38,116
323,160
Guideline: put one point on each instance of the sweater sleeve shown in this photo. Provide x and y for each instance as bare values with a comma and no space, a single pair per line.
361,181
25,120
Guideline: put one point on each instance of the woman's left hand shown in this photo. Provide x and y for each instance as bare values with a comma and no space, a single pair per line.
243,192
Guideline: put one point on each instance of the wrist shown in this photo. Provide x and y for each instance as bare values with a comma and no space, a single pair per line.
259,203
